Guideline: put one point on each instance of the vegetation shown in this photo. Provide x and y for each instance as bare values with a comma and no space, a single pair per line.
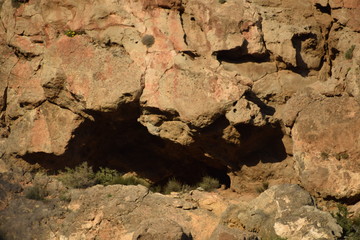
351,227
65,197
148,40
106,176
130,180
70,33
36,192
342,155
173,185
81,176
209,184
222,1
264,186
349,52
324,155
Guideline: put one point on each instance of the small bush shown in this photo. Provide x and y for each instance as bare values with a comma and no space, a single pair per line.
349,52
209,184
222,1
155,188
173,185
324,155
264,186
70,33
351,227
106,176
131,180
148,40
65,197
81,176
342,155
36,192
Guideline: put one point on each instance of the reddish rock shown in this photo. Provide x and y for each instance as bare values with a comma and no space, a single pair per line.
326,137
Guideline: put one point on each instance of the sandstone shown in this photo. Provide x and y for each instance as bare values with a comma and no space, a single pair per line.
288,211
160,228
328,164
249,92
47,128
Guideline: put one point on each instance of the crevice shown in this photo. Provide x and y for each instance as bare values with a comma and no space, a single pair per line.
344,200
265,109
297,41
21,54
3,109
182,26
322,9
191,54
240,54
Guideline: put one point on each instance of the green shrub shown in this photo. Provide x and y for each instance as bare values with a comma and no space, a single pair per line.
81,176
264,186
155,188
349,52
173,185
342,155
65,197
130,180
209,184
106,176
148,40
324,155
351,227
70,33
36,192
222,1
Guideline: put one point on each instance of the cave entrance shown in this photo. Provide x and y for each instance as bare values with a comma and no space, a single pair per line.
122,143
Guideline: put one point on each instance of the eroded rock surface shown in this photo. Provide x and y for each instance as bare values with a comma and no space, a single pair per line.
245,91
288,211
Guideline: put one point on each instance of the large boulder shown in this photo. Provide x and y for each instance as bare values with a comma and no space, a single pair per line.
326,147
287,211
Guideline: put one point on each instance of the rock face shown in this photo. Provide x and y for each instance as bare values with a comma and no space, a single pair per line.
245,91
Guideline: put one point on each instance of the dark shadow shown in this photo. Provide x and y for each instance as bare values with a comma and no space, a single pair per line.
17,3
122,143
345,200
322,9
240,55
265,109
297,40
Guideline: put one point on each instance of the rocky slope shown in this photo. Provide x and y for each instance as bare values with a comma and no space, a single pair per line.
246,91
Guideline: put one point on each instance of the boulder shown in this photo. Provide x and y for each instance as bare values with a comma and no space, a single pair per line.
287,211
153,229
326,137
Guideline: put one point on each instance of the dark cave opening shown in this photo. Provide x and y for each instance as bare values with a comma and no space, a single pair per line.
116,140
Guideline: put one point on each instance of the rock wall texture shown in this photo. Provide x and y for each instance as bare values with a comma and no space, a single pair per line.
250,90
134,213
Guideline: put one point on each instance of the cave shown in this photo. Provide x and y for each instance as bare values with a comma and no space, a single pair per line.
117,140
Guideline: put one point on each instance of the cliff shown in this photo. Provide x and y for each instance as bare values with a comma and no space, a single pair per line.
245,91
